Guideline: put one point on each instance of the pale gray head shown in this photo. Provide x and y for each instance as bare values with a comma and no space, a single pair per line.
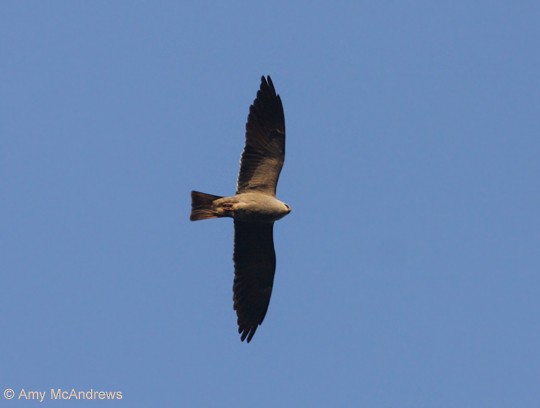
286,209
289,209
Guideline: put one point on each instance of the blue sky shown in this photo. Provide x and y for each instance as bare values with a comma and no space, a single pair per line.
408,271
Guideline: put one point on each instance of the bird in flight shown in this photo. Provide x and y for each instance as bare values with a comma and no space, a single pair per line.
254,209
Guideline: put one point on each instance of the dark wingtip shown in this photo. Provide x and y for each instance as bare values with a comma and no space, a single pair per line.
267,83
247,333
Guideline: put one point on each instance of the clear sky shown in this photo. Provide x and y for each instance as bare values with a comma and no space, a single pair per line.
408,271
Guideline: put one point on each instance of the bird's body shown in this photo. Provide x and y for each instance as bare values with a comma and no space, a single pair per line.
254,209
246,207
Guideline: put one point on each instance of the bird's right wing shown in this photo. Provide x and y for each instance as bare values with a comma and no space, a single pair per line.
254,268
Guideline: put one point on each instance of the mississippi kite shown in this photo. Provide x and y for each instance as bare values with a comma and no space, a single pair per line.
254,209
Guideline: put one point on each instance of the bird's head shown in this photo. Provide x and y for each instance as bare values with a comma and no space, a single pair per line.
285,209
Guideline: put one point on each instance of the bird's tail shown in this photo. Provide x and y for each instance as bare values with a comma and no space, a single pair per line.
202,207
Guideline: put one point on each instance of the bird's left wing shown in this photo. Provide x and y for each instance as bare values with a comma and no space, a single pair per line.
254,268
264,152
